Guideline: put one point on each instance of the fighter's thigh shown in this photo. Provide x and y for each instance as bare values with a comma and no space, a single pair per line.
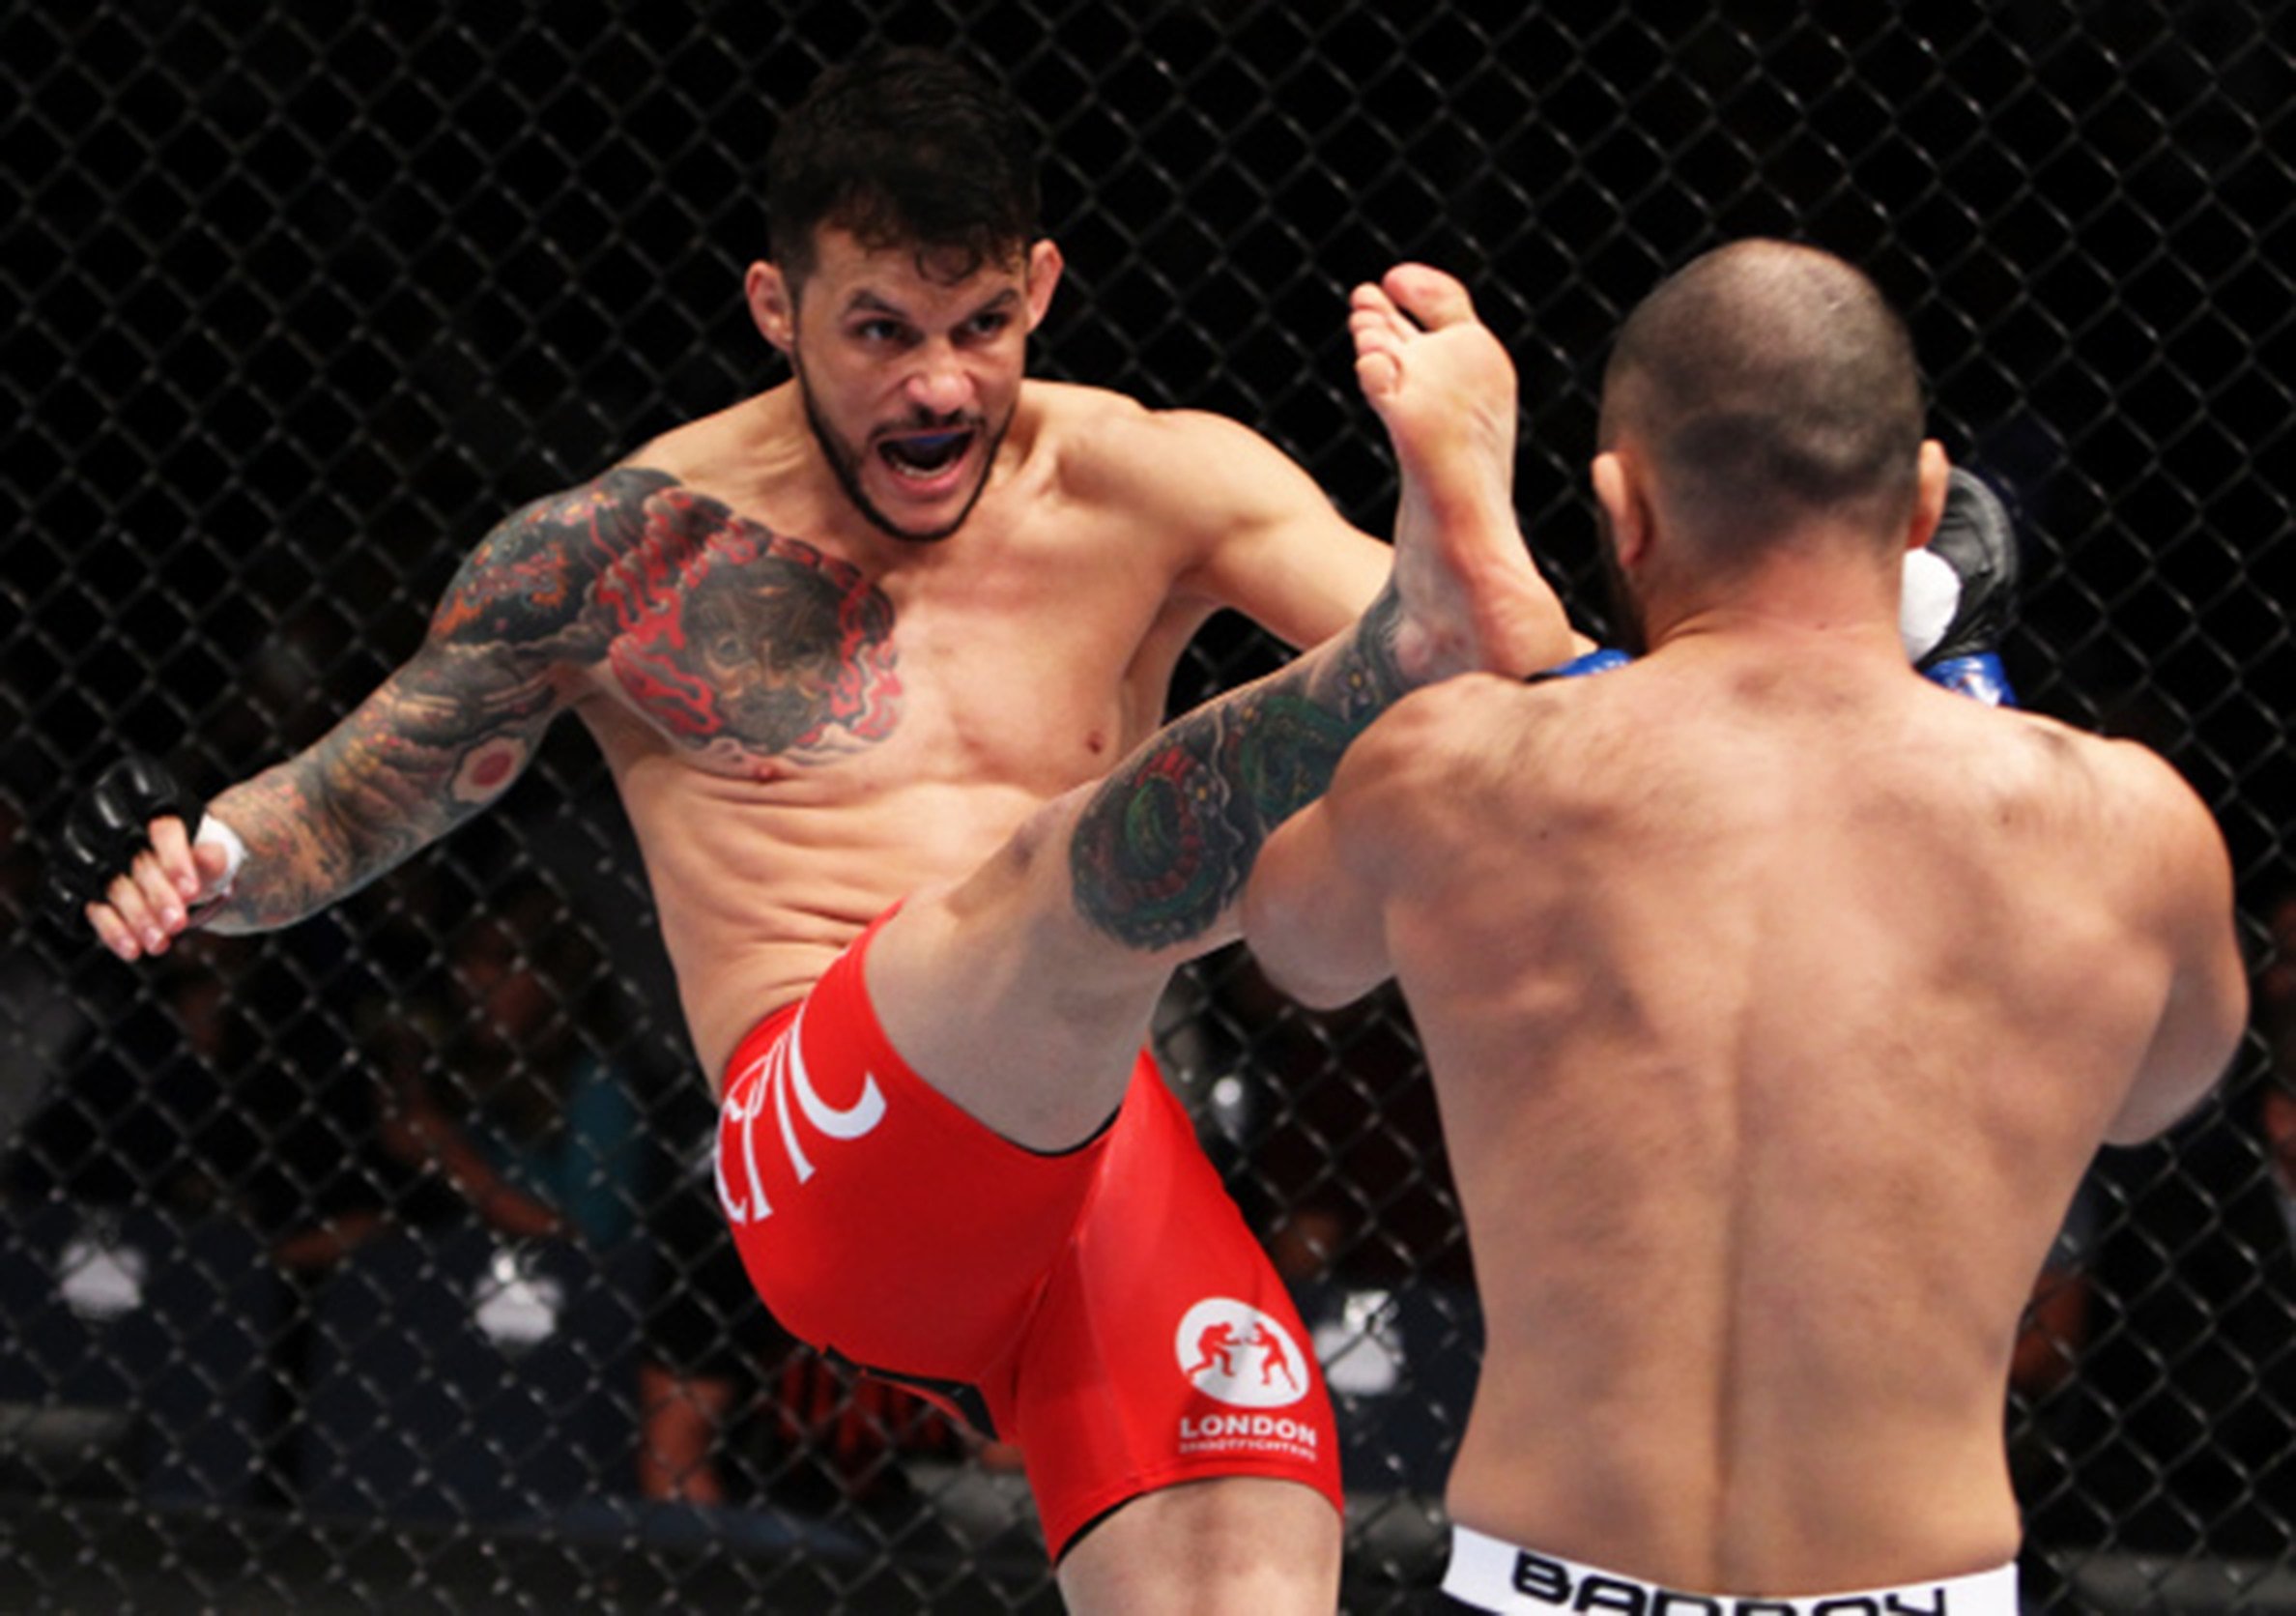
1166,1350
875,1219
1238,1545
1011,1006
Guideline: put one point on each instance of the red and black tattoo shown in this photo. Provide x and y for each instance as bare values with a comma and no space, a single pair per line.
1165,847
721,628
720,632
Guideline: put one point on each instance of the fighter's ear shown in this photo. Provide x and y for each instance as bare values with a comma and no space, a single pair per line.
772,304
1930,481
1621,497
1044,265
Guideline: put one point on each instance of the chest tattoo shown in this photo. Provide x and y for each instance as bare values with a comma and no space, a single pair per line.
720,630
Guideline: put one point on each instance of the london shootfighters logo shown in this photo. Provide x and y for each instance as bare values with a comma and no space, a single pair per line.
1235,1354
1232,1351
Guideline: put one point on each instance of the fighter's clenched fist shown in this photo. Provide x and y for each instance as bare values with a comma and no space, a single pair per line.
138,861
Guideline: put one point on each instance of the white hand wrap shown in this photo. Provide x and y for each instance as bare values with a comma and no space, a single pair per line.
215,833
1932,594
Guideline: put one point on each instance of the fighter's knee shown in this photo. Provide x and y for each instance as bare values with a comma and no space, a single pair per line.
1046,826
1029,866
1231,1546
1025,880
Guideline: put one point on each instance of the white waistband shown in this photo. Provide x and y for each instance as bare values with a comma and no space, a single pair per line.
1497,1577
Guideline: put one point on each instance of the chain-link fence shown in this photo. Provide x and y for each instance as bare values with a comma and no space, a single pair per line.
367,1265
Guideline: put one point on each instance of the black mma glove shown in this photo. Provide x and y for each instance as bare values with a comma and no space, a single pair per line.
1961,594
1974,539
106,830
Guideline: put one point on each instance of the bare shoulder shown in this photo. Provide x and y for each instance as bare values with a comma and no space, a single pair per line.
1435,745
2133,822
1088,430
531,577
1191,464
1069,405
2157,854
1065,405
2159,808
2129,786
689,450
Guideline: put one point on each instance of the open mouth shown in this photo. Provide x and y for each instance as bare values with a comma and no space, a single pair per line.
926,454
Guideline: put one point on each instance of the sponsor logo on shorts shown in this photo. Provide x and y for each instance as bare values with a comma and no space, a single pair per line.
768,1083
1553,1583
1235,1354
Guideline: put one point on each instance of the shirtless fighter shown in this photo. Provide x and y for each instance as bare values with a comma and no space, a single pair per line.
1775,999
860,651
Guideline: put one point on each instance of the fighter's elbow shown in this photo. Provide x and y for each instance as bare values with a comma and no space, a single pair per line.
1300,985
2171,1092
1319,939
1331,993
1319,967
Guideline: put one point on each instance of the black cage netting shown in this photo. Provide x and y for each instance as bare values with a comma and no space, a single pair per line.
333,1264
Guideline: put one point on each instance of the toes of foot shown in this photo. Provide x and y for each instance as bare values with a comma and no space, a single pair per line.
1379,373
1431,297
1368,300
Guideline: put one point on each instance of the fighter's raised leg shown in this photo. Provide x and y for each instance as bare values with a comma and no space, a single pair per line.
1445,389
1023,992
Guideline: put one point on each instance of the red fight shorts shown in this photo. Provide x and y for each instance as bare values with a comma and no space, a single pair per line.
1105,1307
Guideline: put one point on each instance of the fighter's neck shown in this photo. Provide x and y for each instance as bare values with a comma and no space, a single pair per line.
1841,604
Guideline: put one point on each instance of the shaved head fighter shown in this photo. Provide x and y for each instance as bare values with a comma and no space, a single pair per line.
1776,1000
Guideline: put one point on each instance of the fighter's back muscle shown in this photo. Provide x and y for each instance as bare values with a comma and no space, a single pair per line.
1836,911
1806,1010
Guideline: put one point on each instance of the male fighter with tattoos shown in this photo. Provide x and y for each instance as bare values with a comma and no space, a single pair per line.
875,658
1775,1001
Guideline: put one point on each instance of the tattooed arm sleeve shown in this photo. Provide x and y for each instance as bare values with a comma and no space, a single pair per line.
448,733
1161,854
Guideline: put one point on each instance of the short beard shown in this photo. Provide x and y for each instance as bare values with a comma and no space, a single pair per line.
845,464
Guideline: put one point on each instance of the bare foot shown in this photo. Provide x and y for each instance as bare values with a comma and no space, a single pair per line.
1446,389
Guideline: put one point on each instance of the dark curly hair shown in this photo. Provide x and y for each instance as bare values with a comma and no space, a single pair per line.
905,146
